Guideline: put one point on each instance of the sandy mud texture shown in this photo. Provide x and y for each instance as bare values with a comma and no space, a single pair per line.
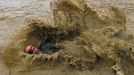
92,41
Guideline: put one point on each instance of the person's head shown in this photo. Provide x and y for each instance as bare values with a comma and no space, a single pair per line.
32,49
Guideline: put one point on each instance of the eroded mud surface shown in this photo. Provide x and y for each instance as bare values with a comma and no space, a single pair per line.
14,12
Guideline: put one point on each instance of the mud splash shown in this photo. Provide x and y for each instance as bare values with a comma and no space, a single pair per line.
89,36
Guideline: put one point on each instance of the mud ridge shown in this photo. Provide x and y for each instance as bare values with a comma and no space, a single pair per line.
89,39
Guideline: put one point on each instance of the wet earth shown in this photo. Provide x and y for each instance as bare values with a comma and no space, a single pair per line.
14,12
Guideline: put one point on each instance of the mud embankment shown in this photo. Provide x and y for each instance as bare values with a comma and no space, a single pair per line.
94,41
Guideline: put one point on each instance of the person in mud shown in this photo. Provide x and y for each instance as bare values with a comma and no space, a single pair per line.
49,47
32,50
44,48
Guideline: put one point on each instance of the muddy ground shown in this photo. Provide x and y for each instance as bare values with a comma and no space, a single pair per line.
12,19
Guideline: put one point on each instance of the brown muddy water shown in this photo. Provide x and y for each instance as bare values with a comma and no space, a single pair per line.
13,14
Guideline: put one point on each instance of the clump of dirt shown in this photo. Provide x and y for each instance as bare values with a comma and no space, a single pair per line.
88,37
